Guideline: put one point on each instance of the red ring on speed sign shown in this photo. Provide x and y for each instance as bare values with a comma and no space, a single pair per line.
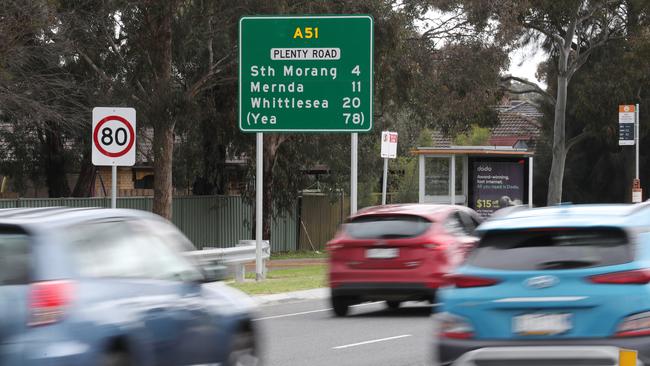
128,146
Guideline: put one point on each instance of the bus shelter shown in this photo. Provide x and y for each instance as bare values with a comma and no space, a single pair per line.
484,178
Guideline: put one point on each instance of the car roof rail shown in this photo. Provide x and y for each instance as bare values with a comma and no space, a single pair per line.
639,207
507,211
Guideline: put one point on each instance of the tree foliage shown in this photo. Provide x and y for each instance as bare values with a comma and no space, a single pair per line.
571,31
476,136
593,107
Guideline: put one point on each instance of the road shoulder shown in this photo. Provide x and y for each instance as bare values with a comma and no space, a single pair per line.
288,297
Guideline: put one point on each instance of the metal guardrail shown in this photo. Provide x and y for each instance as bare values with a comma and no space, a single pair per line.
236,256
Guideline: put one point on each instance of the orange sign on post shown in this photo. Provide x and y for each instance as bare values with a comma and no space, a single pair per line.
626,108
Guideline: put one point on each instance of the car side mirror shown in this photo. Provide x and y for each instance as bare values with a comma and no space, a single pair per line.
214,271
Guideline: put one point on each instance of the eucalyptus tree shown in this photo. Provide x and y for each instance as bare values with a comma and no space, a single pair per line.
570,30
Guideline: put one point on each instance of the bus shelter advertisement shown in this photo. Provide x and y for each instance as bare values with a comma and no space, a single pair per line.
496,184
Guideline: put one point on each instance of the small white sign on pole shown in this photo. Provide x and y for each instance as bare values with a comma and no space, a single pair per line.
113,136
388,151
389,144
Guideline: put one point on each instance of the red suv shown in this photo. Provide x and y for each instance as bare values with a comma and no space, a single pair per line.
398,253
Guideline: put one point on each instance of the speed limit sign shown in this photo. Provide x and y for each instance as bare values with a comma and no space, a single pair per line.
113,136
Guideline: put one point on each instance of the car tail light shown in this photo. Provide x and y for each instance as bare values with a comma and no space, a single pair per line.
454,326
332,246
48,301
634,326
431,245
634,277
463,281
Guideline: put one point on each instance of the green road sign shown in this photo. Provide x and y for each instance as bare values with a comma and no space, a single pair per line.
305,73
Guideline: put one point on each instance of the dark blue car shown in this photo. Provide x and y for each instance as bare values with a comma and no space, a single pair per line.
111,287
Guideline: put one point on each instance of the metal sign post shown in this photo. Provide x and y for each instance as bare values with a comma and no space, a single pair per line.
354,141
637,191
383,186
114,186
636,137
259,270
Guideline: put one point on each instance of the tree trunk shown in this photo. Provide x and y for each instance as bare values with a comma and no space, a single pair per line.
163,145
271,145
556,177
86,180
54,162
160,15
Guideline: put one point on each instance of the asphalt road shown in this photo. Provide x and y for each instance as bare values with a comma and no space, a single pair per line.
307,333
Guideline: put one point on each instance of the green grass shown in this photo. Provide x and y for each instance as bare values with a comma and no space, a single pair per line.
299,255
285,280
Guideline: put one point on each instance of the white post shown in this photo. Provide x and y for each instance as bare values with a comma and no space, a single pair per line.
354,141
259,271
636,137
466,180
383,187
452,185
530,182
114,186
421,180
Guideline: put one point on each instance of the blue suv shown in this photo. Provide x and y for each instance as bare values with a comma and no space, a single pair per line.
543,279
111,288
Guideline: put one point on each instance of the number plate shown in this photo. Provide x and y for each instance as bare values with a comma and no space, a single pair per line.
542,324
382,253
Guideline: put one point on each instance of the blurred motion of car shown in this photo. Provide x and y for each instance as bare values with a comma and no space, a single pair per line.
110,288
397,253
550,281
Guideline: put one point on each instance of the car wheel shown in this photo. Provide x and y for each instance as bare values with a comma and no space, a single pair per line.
115,358
341,305
242,352
393,305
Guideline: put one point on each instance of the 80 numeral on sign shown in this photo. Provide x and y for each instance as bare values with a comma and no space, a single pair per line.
121,136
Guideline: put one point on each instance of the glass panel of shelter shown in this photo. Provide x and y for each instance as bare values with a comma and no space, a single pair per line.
438,178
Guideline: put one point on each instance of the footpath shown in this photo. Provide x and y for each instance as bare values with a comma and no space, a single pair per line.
313,294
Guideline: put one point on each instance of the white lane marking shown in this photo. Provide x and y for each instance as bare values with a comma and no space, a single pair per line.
292,314
309,312
366,303
541,299
372,341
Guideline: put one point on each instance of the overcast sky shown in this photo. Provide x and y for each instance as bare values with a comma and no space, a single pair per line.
524,62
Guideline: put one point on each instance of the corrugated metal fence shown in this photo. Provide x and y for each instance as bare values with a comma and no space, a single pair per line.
321,216
216,221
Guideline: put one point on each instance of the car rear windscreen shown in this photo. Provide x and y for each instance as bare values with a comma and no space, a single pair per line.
552,249
387,227
14,258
